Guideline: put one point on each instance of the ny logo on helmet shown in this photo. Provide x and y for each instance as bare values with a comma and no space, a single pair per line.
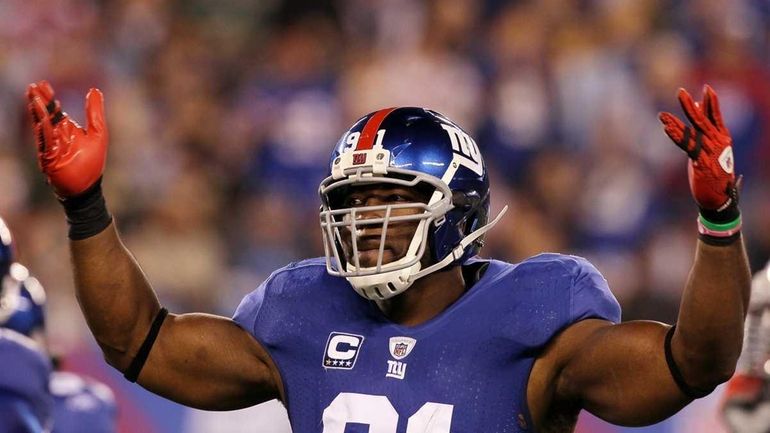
359,158
466,151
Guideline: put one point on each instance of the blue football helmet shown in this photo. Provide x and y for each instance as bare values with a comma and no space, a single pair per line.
414,148
22,298
6,248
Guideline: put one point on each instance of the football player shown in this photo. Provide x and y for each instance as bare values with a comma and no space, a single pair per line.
24,297
75,404
746,404
25,403
82,404
401,327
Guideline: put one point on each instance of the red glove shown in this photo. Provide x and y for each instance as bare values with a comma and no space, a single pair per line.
71,157
711,168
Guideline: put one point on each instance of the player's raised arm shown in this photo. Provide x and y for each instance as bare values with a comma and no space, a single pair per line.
707,341
637,373
195,359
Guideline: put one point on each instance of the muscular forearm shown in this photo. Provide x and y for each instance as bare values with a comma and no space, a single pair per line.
117,301
201,360
709,332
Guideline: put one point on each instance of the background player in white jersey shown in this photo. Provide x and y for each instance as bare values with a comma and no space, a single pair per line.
489,346
746,405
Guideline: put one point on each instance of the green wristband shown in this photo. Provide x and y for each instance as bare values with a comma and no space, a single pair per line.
724,227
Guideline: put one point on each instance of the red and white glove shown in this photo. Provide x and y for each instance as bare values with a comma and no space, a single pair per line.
711,167
71,157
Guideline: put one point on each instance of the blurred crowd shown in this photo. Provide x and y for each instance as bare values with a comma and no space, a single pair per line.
222,115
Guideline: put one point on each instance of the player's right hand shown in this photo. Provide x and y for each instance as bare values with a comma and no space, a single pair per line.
709,145
71,157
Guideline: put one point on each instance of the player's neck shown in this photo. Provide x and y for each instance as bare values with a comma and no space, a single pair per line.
426,299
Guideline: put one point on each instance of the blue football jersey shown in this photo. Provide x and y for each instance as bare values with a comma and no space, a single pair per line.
24,397
82,405
347,369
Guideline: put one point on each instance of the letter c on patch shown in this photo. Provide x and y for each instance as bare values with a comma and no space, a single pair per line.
343,347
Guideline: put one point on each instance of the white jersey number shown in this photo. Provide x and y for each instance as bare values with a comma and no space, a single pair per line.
378,413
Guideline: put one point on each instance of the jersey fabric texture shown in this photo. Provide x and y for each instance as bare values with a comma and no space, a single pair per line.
82,405
24,396
347,369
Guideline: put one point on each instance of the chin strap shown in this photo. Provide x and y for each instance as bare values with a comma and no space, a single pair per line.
459,250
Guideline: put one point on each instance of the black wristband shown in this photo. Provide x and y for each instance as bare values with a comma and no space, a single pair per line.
719,242
730,213
689,391
133,370
87,213
729,210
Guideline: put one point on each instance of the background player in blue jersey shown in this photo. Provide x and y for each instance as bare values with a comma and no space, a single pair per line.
25,403
81,404
430,338
64,401
23,296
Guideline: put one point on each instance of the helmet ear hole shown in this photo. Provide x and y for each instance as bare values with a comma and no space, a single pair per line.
465,200
475,221
476,217
473,206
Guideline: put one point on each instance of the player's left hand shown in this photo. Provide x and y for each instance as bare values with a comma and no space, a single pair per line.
709,145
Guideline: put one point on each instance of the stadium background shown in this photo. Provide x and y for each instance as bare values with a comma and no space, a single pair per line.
222,115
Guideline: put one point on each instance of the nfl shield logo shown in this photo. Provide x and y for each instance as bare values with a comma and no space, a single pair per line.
359,158
400,350
401,347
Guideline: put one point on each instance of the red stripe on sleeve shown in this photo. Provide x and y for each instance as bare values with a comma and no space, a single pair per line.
366,141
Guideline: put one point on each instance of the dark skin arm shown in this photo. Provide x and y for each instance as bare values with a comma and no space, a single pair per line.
198,360
619,372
